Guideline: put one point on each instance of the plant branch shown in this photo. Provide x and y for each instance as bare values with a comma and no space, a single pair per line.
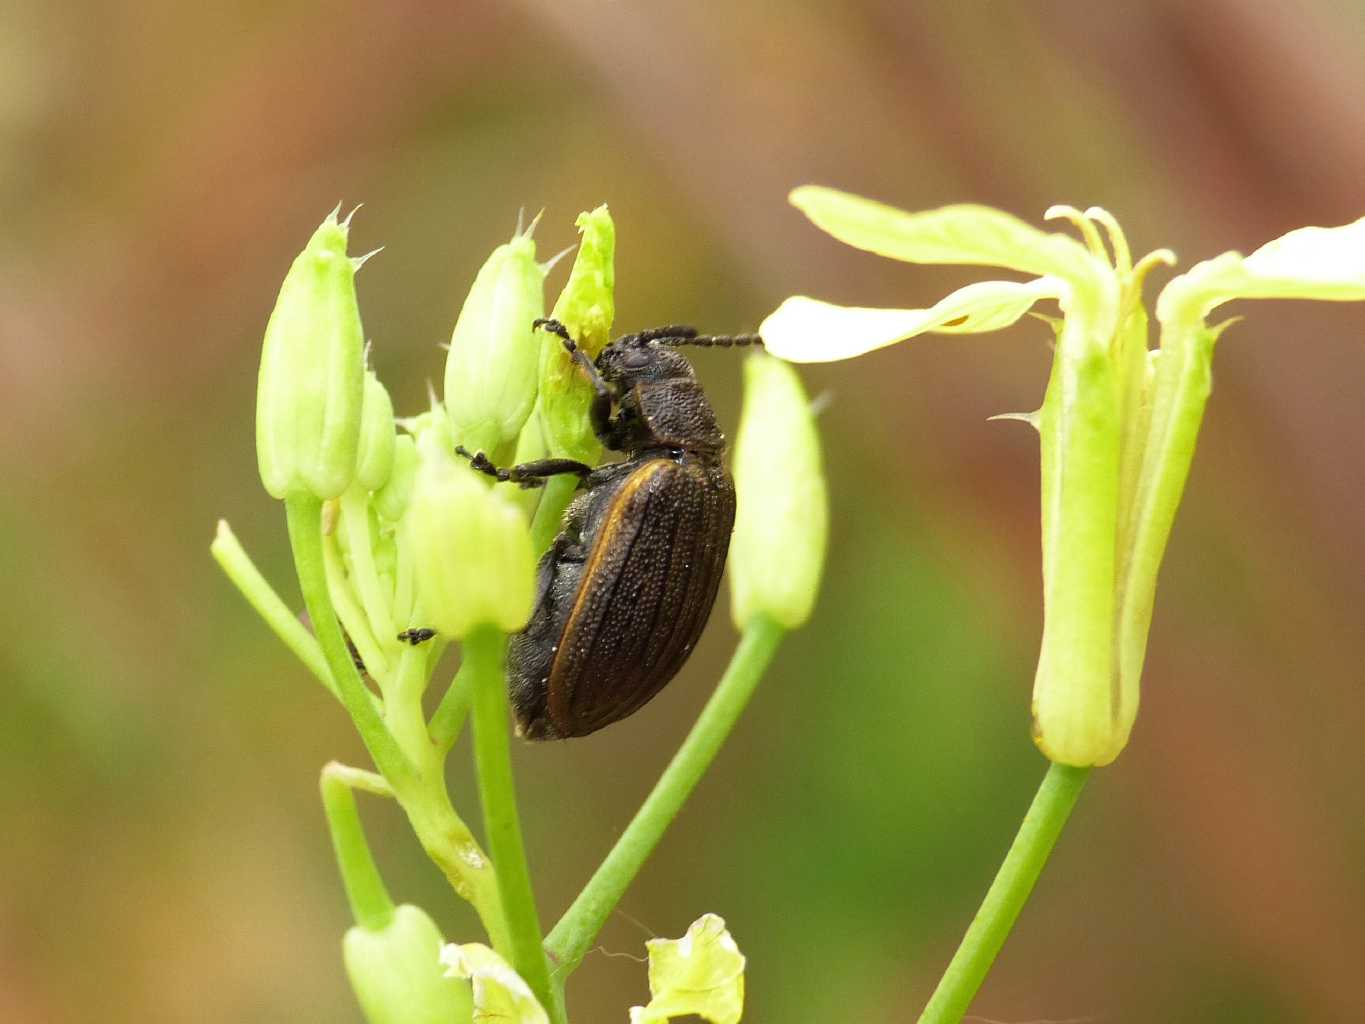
578,928
549,518
1006,897
371,905
228,552
484,651
304,516
449,718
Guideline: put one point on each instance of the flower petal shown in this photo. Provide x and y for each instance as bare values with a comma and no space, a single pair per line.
1316,263
964,233
806,330
1309,263
701,974
500,994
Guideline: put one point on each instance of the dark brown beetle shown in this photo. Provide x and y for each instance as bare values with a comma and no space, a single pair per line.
625,589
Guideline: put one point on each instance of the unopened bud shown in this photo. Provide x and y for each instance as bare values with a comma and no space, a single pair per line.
586,307
471,550
490,381
375,460
783,512
391,500
397,975
311,385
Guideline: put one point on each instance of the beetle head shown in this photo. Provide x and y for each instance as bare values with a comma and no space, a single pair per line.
661,403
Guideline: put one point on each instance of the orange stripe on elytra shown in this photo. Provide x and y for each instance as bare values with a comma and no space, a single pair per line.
604,540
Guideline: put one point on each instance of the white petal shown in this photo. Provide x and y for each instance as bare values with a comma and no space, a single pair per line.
1309,263
1330,259
806,330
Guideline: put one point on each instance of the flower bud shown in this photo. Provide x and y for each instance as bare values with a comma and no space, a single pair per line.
391,500
312,379
783,512
471,549
375,459
396,972
490,382
586,307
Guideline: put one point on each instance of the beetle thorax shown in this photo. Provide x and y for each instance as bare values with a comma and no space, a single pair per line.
661,404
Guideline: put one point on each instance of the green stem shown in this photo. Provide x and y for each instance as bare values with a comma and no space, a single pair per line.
578,928
355,520
371,905
450,714
304,515
352,615
358,778
484,651
404,717
1006,897
452,848
228,552
556,495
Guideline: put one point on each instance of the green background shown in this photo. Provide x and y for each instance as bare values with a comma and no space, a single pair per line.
162,851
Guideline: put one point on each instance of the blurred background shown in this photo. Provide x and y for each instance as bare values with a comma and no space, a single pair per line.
163,855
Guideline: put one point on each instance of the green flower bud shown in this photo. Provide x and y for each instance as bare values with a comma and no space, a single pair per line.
587,308
783,511
470,546
391,499
490,382
431,432
375,460
396,972
312,380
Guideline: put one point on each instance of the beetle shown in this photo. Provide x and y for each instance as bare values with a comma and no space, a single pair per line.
625,589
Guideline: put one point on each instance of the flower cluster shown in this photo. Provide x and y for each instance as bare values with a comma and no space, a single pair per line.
402,547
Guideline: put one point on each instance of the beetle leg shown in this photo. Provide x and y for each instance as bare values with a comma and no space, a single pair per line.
527,474
601,405
534,474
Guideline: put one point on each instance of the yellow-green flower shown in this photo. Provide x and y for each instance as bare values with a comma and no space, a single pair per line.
1118,421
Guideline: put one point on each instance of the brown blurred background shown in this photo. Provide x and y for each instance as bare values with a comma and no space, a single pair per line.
162,852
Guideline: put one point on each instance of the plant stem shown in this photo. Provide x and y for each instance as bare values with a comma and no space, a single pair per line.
1006,897
351,614
403,715
358,778
484,651
228,552
450,714
578,928
554,499
371,905
304,516
452,848
355,520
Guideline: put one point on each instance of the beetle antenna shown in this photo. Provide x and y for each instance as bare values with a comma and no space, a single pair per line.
668,333
712,341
